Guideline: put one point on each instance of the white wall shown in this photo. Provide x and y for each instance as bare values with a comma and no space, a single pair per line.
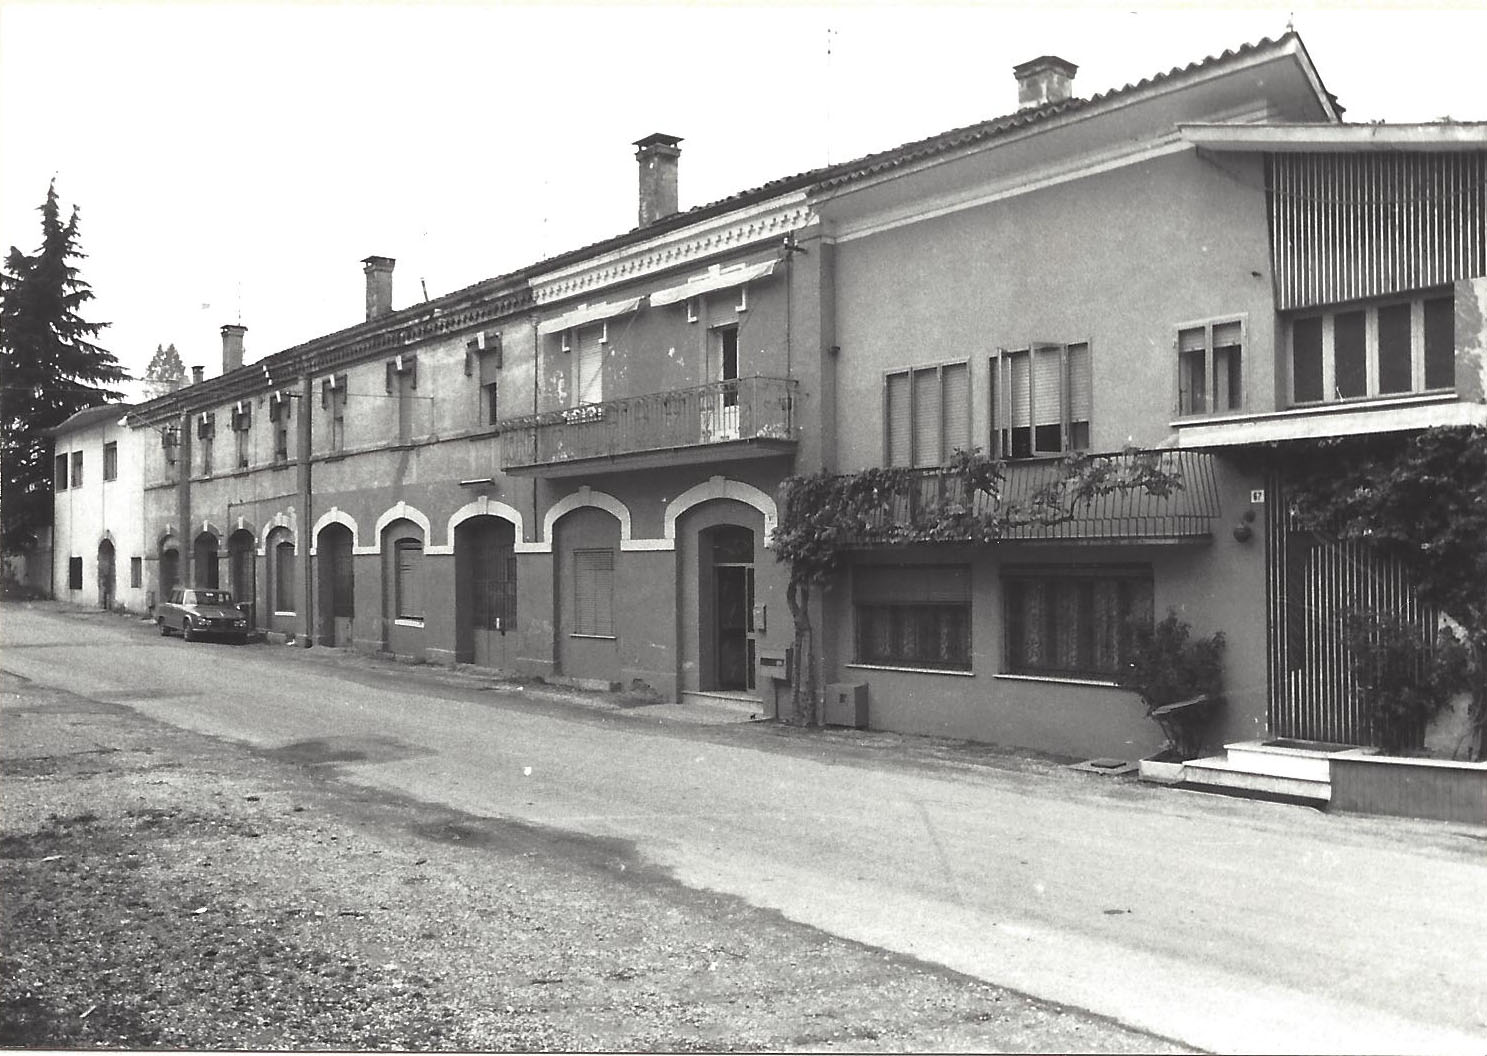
100,509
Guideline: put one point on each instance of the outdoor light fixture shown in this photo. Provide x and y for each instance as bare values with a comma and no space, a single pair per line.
477,482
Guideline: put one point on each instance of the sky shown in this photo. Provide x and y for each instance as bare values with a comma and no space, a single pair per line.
233,163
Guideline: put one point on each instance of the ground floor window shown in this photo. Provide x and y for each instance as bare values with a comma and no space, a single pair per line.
1072,621
408,585
913,615
593,592
74,573
282,583
136,571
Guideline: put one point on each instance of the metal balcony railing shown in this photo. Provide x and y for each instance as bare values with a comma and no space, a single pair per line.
724,411
939,506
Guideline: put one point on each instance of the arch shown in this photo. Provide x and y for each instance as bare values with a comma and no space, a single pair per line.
167,538
488,507
401,512
107,536
722,488
334,515
277,521
208,528
587,496
242,524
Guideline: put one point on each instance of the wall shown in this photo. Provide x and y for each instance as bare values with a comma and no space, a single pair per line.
85,516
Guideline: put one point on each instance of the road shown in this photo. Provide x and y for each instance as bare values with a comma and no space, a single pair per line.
1225,924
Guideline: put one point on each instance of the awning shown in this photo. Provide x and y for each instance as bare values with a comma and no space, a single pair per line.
586,313
715,279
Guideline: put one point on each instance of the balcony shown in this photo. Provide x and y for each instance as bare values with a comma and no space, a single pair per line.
725,421
938,506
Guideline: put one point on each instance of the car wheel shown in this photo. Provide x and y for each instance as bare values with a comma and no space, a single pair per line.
186,630
164,630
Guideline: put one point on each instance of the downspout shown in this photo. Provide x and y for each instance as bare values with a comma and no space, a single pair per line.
185,556
307,521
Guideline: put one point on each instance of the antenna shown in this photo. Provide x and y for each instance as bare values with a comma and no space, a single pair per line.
425,286
240,302
830,32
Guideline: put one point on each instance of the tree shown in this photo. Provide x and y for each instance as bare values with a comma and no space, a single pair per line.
49,369
1423,502
165,373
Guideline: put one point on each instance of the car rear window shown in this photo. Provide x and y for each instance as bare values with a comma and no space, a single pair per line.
213,597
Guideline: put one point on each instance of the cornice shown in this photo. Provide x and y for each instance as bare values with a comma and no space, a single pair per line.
776,216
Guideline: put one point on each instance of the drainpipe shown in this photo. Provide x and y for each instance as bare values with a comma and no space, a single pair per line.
307,519
185,555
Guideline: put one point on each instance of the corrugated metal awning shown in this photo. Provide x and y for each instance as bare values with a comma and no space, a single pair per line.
587,313
714,280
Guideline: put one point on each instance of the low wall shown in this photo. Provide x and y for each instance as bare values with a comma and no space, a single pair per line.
1411,788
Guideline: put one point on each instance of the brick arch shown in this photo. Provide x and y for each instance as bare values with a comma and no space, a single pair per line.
587,496
335,515
722,488
488,507
401,512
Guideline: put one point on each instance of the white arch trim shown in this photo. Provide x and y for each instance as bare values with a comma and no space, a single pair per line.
485,506
402,512
278,520
334,515
722,488
587,496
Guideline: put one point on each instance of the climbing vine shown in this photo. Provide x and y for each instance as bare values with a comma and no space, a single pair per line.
1424,502
825,516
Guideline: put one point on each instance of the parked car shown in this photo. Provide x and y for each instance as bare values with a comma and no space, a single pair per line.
197,613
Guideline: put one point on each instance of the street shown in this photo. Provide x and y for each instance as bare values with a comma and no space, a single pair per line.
1221,924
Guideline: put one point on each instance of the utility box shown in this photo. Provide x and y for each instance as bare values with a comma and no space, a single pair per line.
846,705
774,664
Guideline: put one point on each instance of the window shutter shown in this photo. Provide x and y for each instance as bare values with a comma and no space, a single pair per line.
926,418
410,579
590,366
1226,335
593,591
898,419
1191,340
957,408
1020,380
1047,385
910,584
1081,385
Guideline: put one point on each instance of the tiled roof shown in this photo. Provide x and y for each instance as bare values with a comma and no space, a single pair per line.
93,415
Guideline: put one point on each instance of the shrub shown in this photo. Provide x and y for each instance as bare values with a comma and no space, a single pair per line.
1402,678
1168,666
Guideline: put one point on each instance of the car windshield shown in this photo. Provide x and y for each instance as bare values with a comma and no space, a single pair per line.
213,597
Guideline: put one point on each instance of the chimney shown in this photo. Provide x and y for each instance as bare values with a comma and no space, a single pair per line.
1046,79
198,375
232,347
657,155
379,285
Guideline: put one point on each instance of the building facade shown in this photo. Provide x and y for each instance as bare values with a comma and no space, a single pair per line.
98,530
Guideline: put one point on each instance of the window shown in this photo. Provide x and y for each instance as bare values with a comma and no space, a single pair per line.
593,592
490,399
136,571
1383,349
402,382
1210,368
1041,398
59,473
242,421
588,385
206,432
483,352
111,460
282,583
913,615
74,573
333,399
728,363
1073,622
77,469
278,414
926,414
408,580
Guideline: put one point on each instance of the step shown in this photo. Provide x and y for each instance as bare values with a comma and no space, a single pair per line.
1311,763
1224,775
741,703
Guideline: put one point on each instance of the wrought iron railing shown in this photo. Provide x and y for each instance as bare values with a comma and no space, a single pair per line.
724,411
1041,500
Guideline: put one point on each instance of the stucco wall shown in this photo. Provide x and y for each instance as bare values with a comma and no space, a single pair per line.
101,510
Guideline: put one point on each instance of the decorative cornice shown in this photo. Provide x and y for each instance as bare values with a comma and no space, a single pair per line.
774,217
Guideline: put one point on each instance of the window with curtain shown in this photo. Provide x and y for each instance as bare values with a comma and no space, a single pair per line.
1041,400
408,579
593,592
1073,622
1210,367
913,616
926,414
1384,349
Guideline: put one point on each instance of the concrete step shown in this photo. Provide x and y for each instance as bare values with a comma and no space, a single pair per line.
1260,758
740,703
1222,775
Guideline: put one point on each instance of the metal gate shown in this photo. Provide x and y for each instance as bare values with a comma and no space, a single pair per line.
1311,583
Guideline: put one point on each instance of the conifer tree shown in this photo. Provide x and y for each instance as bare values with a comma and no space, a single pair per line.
165,373
49,369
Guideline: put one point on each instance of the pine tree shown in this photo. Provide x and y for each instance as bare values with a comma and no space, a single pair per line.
49,369
165,373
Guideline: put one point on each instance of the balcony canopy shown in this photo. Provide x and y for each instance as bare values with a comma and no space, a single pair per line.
587,313
720,279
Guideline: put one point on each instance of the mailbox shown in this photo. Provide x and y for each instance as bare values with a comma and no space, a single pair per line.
775,664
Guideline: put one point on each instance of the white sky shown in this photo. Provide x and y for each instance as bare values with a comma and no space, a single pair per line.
236,162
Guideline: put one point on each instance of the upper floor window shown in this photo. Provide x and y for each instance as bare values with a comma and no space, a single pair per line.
926,414
483,357
242,421
278,413
206,432
588,381
1041,398
402,382
1382,349
111,460
59,472
1210,367
333,399
77,469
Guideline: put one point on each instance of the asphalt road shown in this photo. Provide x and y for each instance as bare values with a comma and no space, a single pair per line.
1225,924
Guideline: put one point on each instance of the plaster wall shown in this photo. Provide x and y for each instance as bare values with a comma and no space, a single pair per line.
101,510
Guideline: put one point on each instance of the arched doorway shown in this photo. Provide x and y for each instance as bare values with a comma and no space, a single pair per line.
106,574
243,568
204,561
336,586
726,607
170,568
404,588
485,591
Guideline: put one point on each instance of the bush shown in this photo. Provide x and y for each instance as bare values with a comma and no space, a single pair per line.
1166,667
1403,678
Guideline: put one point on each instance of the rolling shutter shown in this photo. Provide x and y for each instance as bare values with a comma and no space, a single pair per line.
1081,384
926,418
899,415
1047,385
911,584
410,580
590,366
593,591
956,398
1019,389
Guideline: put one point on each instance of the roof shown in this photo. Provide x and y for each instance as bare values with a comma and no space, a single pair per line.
92,416
1282,138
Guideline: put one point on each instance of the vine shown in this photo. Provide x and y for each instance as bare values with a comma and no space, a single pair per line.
827,515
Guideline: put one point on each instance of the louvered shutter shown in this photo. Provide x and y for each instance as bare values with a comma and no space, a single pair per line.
1020,381
1081,384
911,584
956,414
590,366
593,591
898,419
410,580
926,418
1047,385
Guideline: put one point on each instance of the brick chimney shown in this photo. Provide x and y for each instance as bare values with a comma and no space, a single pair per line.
1046,79
379,285
232,347
657,154
198,375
